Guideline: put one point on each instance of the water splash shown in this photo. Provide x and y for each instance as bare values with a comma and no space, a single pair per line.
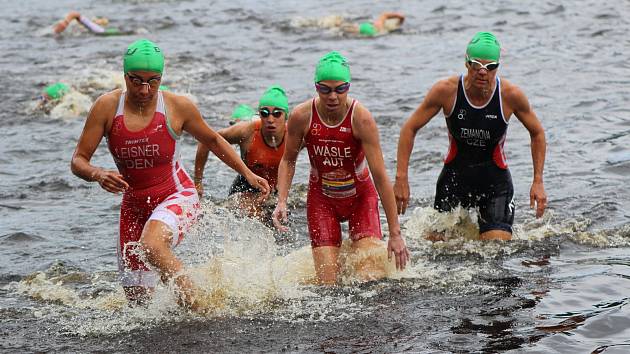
241,273
72,105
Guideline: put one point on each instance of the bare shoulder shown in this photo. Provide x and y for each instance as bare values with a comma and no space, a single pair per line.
364,126
301,113
446,86
106,104
512,94
179,103
509,88
362,116
109,98
245,129
442,92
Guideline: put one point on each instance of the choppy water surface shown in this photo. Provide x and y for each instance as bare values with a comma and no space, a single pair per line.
561,285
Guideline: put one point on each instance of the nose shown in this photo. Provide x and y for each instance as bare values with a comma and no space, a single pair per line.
144,89
483,71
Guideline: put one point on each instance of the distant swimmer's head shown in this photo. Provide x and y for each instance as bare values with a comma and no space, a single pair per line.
274,96
333,67
143,55
101,21
242,112
367,29
484,46
55,91
393,24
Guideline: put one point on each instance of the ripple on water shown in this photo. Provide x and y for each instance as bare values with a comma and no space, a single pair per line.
21,237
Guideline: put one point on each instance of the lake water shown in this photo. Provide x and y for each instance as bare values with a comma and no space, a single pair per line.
561,285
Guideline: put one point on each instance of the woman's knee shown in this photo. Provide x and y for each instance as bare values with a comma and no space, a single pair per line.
155,236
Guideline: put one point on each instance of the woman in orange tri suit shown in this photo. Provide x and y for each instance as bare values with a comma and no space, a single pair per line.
261,142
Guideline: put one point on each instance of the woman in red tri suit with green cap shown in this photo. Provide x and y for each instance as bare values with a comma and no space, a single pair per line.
343,146
143,125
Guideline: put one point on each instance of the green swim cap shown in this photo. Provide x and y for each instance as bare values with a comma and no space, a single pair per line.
332,66
143,55
367,29
111,32
56,91
276,97
485,46
243,112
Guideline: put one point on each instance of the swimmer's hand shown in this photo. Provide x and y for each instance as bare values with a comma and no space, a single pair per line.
111,181
280,218
199,187
187,293
538,198
259,183
401,192
397,246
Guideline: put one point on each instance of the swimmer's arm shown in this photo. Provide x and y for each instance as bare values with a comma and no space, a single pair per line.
194,124
200,164
93,27
89,140
61,25
526,115
429,107
235,134
296,130
380,21
365,129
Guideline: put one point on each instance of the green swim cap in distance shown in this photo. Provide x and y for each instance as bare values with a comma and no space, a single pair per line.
484,46
56,91
112,32
276,97
332,66
143,55
164,88
367,29
243,112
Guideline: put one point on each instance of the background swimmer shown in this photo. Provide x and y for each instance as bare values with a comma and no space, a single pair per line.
385,23
261,142
96,25
242,113
61,100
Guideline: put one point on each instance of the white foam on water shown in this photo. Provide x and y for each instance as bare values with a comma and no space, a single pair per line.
461,233
326,22
95,80
241,272
85,84
72,105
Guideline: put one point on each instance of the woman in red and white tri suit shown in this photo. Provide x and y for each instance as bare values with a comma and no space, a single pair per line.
142,126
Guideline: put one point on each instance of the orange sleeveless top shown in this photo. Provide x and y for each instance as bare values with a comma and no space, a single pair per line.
263,159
